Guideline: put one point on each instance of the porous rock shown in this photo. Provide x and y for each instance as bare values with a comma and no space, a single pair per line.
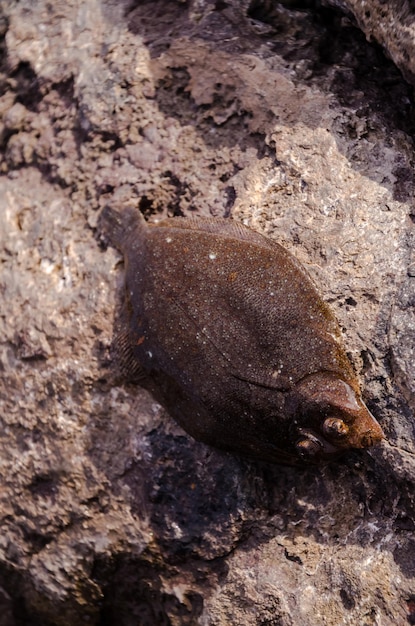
290,121
391,24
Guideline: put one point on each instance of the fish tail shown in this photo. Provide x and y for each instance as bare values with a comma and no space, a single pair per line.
116,227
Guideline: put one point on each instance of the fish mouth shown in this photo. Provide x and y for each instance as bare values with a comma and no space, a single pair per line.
369,439
365,430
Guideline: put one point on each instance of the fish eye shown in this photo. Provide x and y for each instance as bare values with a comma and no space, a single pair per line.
308,447
335,427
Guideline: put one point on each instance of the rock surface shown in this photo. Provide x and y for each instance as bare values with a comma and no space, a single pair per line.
290,121
391,24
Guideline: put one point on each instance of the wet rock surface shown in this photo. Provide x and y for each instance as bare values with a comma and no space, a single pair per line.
286,118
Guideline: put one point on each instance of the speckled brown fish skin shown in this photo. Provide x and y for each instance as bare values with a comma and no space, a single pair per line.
246,354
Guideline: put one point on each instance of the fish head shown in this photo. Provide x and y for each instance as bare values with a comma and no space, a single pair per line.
330,417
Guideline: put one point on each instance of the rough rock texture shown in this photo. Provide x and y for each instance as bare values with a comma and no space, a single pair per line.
286,118
391,23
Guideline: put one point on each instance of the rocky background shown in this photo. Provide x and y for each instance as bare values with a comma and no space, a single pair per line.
286,116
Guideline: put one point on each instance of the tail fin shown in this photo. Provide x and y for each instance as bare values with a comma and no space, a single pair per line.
115,227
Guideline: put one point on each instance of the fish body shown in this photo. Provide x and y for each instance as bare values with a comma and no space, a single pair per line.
244,351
